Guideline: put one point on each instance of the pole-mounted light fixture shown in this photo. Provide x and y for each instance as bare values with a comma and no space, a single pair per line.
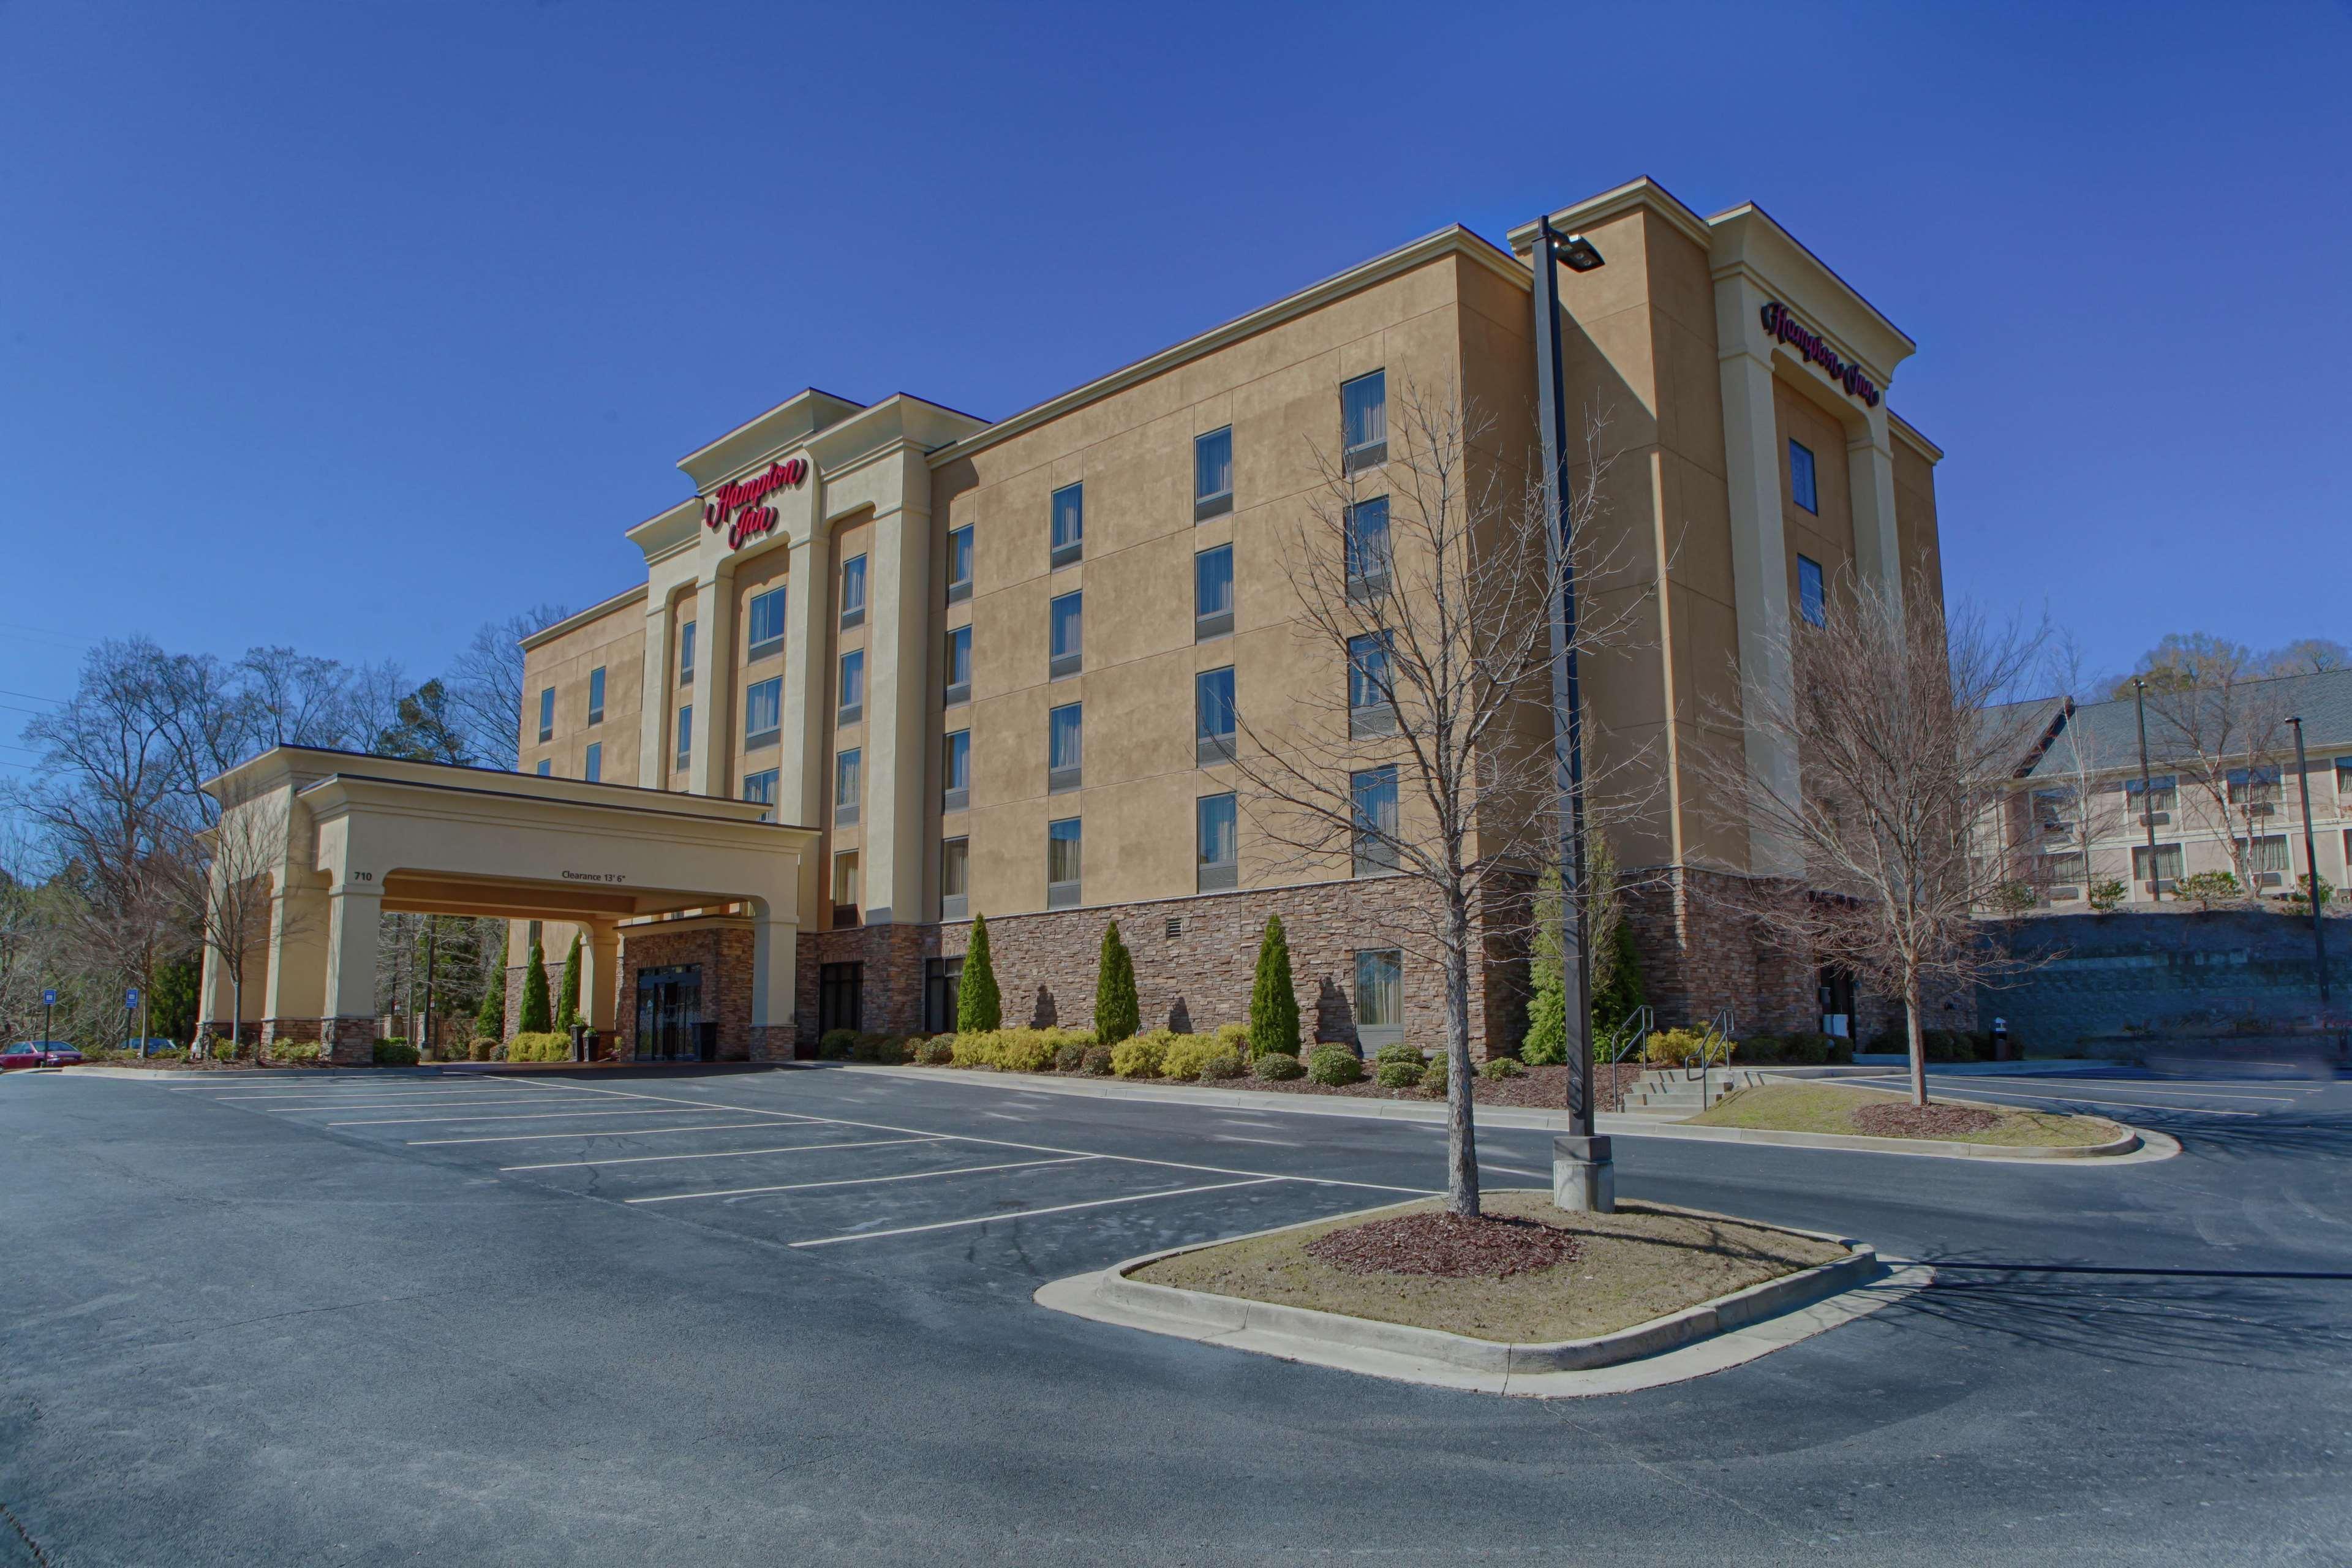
1574,251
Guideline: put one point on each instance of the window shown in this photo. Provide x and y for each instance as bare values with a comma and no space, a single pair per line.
2163,797
2065,872
760,789
594,771
538,929
1800,478
2053,810
840,997
955,879
853,591
1379,998
1065,746
1213,594
1212,473
1068,626
596,695
848,775
764,712
1368,547
955,768
960,665
844,889
1070,524
2253,787
1370,711
1375,792
547,712
2167,864
1214,717
1811,602
685,654
685,733
1062,847
2344,779
852,687
1364,421
958,565
942,993
766,623
546,767
2267,856
1216,836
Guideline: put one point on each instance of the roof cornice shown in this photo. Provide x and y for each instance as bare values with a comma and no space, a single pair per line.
1635,194
574,622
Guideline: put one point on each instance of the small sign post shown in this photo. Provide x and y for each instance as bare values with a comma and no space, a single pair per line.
131,1011
48,1002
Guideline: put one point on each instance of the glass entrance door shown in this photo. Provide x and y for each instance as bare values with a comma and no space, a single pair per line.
669,1014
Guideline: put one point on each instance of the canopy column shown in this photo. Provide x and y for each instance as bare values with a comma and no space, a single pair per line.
347,1024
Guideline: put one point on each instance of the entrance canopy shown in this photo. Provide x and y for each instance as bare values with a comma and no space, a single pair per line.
333,839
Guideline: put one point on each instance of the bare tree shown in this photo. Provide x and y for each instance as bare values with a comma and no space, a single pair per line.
1904,753
2224,737
486,683
229,894
1426,755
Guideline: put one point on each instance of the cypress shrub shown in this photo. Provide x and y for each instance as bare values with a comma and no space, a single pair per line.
1546,1041
1274,1002
537,1017
567,992
490,1018
1118,1014
979,1009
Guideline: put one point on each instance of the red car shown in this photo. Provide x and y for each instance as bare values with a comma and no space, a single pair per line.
38,1053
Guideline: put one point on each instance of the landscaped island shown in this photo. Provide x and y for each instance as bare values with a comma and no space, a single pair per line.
1828,1107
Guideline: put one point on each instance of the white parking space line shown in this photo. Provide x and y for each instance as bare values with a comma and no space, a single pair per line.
403,1104
721,1153
1058,1208
1513,1171
615,1133
528,1116
861,1180
1237,1138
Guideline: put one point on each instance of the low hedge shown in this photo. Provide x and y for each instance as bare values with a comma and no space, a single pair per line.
1399,1052
1013,1051
395,1054
1184,1055
1334,1066
1278,1066
292,1054
1435,1080
535,1046
1141,1056
1393,1073
1497,1068
939,1051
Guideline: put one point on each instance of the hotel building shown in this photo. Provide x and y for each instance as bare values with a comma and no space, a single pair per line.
889,665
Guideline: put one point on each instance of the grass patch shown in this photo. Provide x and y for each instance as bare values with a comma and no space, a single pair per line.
1827,1107
1641,1262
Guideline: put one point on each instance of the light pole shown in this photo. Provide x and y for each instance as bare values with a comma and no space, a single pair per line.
2146,793
1584,1177
2311,862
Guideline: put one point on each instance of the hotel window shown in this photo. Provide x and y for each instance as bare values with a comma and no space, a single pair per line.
547,712
2167,864
685,654
955,880
959,565
594,772
1070,524
1062,864
955,768
2054,810
848,777
1375,792
1218,845
1364,421
840,997
2254,787
853,591
2162,799
546,767
1212,473
1067,632
1064,748
2065,873
1800,478
942,993
1811,602
767,624
959,666
760,788
596,695
1214,717
844,889
2344,781
1370,711
685,733
2266,858
1379,998
852,687
764,712
1368,547
1213,594
538,929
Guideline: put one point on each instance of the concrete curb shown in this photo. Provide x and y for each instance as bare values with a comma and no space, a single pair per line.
2133,1146
1708,1336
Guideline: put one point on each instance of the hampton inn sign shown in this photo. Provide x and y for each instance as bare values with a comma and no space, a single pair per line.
743,501
1781,323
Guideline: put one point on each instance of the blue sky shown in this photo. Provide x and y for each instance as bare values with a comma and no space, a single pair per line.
352,326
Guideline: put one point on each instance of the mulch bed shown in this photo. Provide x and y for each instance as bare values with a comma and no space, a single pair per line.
1537,1088
1445,1246
1923,1121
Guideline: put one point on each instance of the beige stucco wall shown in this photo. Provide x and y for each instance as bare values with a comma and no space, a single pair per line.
614,640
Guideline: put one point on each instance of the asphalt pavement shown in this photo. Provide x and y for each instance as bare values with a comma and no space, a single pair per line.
784,1318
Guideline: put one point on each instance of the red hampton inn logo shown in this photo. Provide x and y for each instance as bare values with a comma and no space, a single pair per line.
1779,324
743,502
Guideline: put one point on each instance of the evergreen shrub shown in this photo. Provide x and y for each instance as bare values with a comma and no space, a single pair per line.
1334,1066
1276,1066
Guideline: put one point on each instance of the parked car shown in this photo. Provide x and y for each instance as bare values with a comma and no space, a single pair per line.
38,1053
150,1044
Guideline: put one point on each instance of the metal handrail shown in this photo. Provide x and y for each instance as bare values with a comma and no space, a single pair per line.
1633,1032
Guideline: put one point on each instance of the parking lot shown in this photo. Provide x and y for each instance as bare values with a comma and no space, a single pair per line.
776,1317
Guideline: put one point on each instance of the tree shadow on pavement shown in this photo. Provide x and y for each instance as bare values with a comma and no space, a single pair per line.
2324,1133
